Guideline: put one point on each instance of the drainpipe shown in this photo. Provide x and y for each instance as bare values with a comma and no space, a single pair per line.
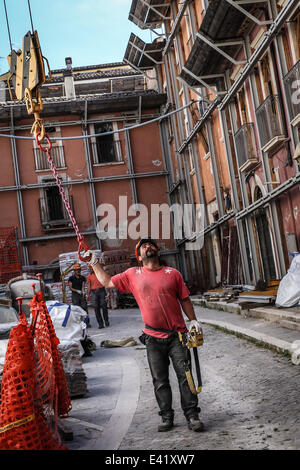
181,192
18,192
90,173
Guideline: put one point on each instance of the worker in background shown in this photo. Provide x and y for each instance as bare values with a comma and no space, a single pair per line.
76,284
160,293
97,293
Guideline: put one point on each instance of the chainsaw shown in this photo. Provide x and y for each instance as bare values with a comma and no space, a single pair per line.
192,340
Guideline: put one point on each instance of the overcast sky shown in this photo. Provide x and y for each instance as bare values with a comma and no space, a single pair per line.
89,31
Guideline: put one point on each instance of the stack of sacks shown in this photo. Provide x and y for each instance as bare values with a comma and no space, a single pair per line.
70,328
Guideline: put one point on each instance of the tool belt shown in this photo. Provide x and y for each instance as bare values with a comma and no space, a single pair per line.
142,338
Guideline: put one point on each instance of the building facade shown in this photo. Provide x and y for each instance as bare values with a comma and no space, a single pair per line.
233,152
95,172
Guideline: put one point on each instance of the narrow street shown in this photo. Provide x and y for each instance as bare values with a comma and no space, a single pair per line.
249,399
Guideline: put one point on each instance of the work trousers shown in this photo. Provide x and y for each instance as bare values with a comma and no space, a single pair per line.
159,352
80,300
99,303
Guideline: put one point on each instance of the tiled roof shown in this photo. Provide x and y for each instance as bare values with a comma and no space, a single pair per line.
89,67
96,75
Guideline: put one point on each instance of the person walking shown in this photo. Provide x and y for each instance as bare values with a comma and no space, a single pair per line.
160,292
97,294
76,284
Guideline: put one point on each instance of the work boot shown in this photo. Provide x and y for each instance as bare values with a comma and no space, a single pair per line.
106,323
166,425
194,424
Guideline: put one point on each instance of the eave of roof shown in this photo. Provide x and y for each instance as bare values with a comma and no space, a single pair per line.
114,102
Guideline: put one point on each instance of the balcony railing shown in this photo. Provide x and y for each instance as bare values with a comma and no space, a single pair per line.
269,122
106,151
292,89
245,147
53,213
41,161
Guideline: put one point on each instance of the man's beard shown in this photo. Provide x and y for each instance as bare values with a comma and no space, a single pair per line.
150,253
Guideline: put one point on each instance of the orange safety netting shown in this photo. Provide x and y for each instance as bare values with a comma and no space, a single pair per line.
34,390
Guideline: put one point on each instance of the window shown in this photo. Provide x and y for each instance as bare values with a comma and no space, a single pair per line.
53,213
57,151
106,148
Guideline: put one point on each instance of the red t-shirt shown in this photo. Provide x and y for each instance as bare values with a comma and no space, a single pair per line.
93,280
157,294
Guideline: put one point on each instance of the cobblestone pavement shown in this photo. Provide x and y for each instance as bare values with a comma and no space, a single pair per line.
250,397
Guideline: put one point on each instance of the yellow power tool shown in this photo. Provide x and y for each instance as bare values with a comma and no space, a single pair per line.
192,340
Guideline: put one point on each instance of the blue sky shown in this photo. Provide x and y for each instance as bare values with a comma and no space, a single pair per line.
89,31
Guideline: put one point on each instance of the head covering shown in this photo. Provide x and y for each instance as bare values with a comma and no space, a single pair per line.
144,240
76,266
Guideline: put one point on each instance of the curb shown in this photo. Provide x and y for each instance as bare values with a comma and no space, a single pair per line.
269,342
223,306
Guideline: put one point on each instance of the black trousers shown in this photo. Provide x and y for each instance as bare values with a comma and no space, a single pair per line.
99,303
159,352
80,300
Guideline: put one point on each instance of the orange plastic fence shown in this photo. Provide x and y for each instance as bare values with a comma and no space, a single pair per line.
9,260
34,390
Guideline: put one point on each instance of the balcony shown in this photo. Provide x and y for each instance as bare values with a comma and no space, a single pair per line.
53,214
292,86
270,123
245,147
41,161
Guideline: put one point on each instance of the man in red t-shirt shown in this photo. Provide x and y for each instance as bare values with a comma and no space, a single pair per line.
160,293
96,291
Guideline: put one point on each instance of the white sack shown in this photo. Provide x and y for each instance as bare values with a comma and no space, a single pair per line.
288,294
68,321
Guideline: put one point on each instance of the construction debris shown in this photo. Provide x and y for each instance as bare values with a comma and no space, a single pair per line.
263,293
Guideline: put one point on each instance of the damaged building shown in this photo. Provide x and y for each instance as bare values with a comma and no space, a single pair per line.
235,150
95,171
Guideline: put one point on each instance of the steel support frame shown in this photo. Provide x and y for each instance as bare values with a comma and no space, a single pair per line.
151,7
215,171
176,25
143,72
236,4
100,179
145,53
199,184
194,88
131,169
181,188
275,228
248,223
216,46
284,14
203,83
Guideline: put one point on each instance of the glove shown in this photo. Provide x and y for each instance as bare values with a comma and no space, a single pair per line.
93,260
195,324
